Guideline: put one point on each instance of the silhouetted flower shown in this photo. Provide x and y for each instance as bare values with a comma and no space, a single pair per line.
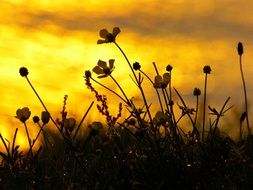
108,37
23,114
69,124
169,68
207,69
240,48
102,69
196,92
36,119
136,66
162,81
23,71
45,116
87,74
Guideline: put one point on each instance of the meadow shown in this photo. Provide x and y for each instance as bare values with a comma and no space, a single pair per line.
142,149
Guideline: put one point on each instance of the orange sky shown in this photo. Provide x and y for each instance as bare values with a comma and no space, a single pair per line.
56,41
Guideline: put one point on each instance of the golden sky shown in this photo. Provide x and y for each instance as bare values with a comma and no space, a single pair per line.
56,41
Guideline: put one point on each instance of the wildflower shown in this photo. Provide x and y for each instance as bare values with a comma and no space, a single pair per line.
169,68
69,124
136,66
108,37
240,48
45,116
207,69
23,114
36,119
162,82
196,92
87,74
23,71
102,69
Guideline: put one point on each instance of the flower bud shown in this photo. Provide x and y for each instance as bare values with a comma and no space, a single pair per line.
169,68
87,74
207,69
136,66
196,92
23,71
45,116
240,48
36,119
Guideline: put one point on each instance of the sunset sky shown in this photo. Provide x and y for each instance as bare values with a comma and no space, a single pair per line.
56,41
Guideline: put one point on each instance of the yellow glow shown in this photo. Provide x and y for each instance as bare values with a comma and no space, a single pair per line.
56,41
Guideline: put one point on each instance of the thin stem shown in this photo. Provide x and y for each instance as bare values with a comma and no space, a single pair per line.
245,94
109,89
124,94
86,113
204,110
28,137
37,136
197,106
139,84
158,95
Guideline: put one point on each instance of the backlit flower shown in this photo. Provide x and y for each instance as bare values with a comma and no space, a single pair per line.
136,66
102,70
23,114
196,92
162,81
108,37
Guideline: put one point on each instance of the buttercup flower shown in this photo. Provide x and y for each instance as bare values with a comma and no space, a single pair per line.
102,69
162,81
23,114
23,71
108,37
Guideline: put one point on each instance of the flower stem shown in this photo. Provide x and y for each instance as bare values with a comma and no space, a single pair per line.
139,85
204,110
109,90
245,94
28,137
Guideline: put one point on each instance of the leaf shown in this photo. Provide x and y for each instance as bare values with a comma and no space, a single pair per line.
243,116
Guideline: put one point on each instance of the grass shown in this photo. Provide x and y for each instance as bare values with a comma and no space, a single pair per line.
144,151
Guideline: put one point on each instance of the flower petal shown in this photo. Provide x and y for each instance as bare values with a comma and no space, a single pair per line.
166,77
111,63
115,31
26,112
103,33
102,64
158,79
19,113
98,70
102,41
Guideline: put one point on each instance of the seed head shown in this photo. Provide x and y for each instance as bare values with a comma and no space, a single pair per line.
45,116
23,71
240,48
